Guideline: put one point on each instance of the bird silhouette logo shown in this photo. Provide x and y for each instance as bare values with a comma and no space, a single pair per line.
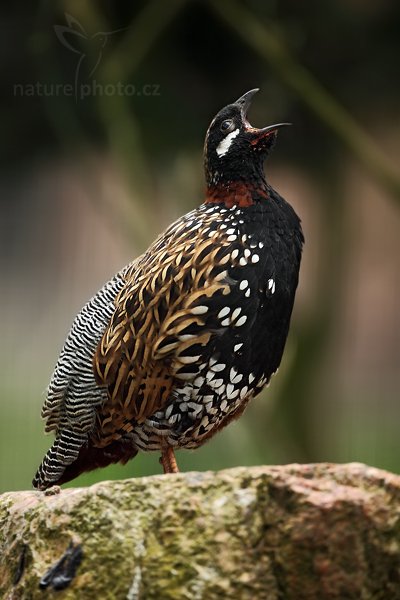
88,47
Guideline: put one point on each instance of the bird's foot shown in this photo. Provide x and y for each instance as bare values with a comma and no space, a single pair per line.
52,491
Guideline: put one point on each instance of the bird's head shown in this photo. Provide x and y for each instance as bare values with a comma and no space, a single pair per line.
234,150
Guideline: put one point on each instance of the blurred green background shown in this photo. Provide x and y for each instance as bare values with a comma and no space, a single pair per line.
104,111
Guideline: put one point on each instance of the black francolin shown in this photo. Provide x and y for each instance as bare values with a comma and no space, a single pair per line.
177,343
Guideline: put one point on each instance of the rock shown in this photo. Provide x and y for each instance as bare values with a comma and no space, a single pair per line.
296,532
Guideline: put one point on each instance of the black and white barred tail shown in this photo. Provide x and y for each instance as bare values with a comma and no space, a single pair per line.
73,394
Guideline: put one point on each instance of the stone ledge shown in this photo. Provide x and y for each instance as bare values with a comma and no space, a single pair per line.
319,531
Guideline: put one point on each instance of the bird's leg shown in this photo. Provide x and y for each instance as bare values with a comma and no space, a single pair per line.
168,460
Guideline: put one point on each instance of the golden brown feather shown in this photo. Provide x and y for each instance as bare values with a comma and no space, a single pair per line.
144,347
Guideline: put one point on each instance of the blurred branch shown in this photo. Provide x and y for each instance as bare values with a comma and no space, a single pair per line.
262,37
116,111
140,37
117,114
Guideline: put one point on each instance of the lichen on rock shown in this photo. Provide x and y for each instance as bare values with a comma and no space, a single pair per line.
285,532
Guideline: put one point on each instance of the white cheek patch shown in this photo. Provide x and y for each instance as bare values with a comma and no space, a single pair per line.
225,144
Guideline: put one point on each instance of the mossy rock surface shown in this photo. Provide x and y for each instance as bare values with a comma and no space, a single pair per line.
296,532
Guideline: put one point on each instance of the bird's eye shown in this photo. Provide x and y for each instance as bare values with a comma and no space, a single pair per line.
227,125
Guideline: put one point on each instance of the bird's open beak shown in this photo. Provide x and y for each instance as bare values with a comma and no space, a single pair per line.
257,134
245,101
270,128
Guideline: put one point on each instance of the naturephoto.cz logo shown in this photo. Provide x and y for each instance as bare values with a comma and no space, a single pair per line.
89,51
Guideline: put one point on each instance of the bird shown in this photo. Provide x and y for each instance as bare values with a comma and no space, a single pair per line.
176,344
